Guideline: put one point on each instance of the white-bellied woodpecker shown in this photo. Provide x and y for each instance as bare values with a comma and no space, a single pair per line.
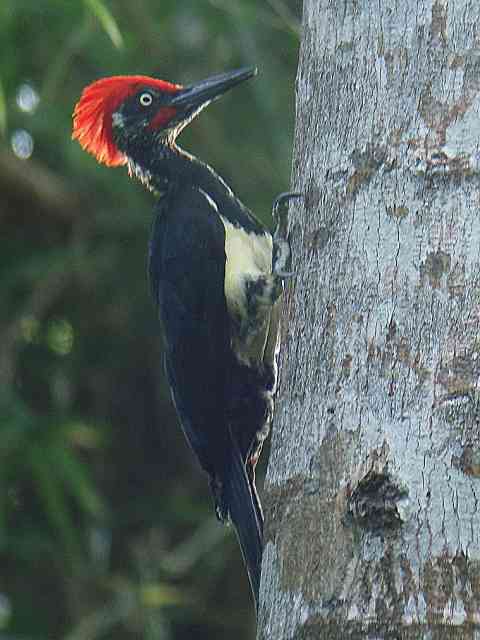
216,274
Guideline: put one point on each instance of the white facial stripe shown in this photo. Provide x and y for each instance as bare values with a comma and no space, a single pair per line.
117,119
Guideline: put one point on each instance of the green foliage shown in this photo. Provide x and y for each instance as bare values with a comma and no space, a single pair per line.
104,15
3,112
106,525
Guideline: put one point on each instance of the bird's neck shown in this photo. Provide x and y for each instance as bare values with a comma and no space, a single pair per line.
164,168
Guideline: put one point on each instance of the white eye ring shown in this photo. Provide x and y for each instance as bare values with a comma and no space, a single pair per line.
146,99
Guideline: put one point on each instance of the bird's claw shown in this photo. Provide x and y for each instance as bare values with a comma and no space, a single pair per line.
281,256
280,211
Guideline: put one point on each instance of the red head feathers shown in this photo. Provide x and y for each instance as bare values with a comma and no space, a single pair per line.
92,117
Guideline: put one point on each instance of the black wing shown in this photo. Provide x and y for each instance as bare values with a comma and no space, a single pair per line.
187,274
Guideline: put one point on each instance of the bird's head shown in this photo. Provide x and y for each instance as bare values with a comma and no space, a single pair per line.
114,113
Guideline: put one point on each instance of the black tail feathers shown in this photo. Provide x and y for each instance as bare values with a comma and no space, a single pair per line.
241,500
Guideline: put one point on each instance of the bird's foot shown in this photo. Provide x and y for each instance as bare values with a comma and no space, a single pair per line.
262,291
281,256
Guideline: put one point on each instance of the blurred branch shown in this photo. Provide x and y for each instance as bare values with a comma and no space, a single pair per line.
283,20
282,10
30,189
59,68
139,16
40,300
29,182
98,623
186,555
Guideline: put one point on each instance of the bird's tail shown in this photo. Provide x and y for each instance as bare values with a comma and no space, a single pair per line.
246,516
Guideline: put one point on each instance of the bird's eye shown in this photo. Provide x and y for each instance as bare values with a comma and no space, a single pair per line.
146,99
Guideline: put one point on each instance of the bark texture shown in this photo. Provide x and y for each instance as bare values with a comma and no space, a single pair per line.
373,487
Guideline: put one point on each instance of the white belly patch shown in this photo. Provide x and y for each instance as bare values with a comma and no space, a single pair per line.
249,255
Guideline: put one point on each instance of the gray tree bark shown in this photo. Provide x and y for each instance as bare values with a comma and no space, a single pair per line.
372,492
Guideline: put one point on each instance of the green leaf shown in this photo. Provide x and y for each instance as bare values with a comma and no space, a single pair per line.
75,476
155,594
3,510
106,19
3,111
60,336
53,496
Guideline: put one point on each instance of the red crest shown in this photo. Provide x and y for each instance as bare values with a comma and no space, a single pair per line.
92,117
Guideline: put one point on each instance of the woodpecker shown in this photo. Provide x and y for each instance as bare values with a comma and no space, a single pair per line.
216,274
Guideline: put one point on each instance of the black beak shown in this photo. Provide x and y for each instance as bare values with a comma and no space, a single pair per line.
200,93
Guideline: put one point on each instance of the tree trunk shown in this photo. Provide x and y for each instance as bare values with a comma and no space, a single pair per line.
372,493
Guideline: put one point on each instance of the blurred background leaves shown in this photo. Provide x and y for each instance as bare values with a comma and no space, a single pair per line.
106,526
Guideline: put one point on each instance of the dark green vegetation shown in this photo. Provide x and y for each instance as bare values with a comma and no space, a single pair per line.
106,524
